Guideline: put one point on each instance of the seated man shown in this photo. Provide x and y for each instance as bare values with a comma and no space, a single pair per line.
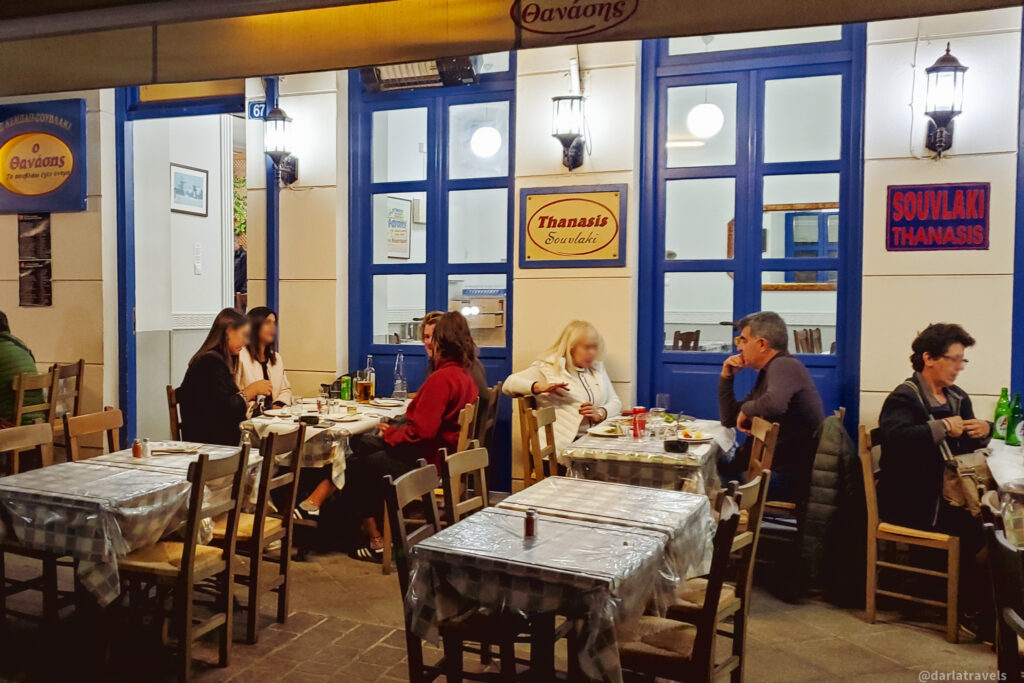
15,358
783,393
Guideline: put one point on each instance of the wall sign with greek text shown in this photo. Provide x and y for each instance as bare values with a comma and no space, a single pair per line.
42,156
937,217
572,227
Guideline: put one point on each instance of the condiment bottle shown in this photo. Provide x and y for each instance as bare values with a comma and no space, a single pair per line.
136,449
530,523
147,448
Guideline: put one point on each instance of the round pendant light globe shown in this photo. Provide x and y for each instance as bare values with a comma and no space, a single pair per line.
705,120
485,142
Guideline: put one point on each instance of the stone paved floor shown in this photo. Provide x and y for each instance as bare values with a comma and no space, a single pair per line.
346,625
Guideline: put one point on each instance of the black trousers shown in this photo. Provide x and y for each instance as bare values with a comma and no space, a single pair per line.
371,460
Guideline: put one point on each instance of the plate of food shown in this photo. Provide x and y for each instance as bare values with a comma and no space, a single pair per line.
611,430
694,436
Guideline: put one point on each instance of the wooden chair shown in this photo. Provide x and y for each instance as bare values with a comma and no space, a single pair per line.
879,531
522,407
1006,562
682,651
807,340
764,436
540,461
68,382
460,473
686,341
178,566
417,487
33,396
734,600
256,531
174,413
35,436
467,425
487,416
108,422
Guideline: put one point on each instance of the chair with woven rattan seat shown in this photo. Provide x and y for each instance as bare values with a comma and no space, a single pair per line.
180,565
678,650
173,413
416,489
108,422
879,531
257,530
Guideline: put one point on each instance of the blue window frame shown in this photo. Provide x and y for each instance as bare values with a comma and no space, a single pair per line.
691,377
825,243
430,262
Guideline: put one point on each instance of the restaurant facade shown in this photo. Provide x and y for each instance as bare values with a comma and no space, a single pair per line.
803,189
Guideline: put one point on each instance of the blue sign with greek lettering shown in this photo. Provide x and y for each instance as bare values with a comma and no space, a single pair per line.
42,156
937,217
258,109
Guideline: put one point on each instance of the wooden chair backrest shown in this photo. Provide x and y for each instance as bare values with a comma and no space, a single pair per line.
274,445
705,620
487,416
807,340
68,382
200,473
467,424
38,435
750,497
867,442
108,422
815,340
841,413
173,414
541,420
460,473
417,485
686,341
764,435
524,405
27,382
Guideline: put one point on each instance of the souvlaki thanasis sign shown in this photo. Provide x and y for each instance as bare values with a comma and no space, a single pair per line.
568,227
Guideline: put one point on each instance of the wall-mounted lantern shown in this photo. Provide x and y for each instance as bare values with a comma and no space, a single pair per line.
944,100
277,144
568,119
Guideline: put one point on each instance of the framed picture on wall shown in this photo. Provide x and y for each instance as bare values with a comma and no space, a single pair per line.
399,219
189,190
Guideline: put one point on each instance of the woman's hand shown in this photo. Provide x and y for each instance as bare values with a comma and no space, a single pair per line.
954,425
976,429
593,413
383,427
556,388
260,387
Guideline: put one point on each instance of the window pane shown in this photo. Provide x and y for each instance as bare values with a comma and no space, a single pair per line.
833,228
802,118
701,125
809,312
399,302
695,306
744,41
492,62
697,217
805,229
478,140
399,227
399,145
478,226
796,194
481,298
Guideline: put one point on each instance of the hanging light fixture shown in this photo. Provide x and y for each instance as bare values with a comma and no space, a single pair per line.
485,141
705,120
276,134
944,100
568,120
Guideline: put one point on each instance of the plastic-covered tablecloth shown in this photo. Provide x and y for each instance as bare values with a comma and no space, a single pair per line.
645,462
603,574
684,517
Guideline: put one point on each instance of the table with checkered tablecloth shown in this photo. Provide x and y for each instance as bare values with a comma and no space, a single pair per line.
685,518
645,462
100,509
603,574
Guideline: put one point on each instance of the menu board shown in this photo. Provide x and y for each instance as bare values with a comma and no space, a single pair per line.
35,272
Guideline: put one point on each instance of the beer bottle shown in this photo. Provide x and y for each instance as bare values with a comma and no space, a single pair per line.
1002,415
369,375
1014,426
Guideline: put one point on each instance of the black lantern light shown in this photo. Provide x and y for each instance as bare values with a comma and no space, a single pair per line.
276,134
944,100
567,126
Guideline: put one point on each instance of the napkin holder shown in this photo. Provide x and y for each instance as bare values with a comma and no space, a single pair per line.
676,446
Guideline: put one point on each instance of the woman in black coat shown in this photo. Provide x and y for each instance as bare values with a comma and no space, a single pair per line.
212,407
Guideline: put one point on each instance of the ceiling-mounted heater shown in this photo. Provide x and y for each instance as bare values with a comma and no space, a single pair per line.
436,73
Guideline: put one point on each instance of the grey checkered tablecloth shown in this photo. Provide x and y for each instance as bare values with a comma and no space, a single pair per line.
644,462
684,517
603,574
100,509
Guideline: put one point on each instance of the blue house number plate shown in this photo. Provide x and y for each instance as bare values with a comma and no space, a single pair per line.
258,109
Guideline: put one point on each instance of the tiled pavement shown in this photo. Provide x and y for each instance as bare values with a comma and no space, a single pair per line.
346,625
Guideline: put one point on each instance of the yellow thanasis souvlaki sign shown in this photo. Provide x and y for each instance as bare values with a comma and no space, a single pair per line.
573,226
35,163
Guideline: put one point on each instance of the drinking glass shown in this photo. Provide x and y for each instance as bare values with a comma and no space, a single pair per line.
662,401
296,407
656,423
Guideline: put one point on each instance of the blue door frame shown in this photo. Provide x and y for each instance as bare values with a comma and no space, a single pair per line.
496,360
749,69
1017,331
127,109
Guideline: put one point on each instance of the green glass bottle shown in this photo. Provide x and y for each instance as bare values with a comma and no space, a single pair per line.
1002,416
1013,427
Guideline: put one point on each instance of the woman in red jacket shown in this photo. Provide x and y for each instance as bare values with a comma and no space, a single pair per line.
431,423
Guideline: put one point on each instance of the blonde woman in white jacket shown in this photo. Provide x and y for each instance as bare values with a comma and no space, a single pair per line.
260,359
570,377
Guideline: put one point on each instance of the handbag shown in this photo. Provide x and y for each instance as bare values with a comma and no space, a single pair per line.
963,477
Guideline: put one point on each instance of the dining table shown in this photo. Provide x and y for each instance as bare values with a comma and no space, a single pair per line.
103,508
1005,462
644,461
602,575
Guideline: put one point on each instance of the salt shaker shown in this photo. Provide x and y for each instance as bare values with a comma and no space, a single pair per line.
147,448
530,523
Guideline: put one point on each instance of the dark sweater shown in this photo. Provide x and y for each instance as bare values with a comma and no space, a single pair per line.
783,393
476,371
211,407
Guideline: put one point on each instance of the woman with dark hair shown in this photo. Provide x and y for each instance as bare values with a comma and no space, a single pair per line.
260,359
925,411
431,423
212,406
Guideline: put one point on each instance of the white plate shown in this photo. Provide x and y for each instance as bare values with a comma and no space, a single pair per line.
278,412
703,439
603,431
387,403
347,418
